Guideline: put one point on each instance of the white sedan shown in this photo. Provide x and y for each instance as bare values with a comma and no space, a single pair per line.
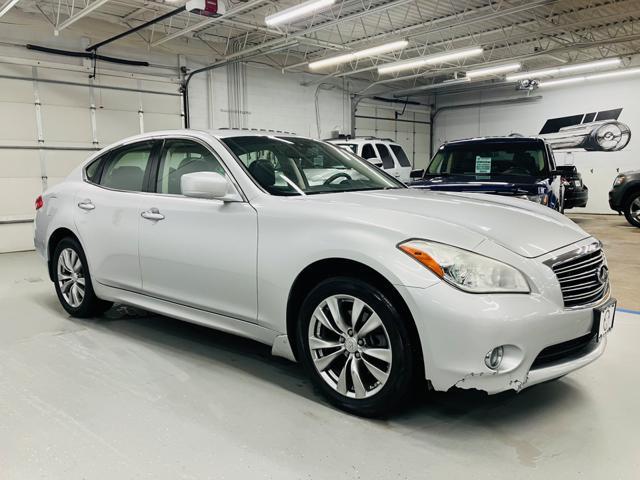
370,285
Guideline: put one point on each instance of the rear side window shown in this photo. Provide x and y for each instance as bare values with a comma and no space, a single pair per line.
403,160
385,155
180,157
127,166
92,171
368,151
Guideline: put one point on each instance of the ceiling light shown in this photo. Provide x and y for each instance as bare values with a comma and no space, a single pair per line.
303,10
368,52
9,5
429,60
547,72
595,76
483,72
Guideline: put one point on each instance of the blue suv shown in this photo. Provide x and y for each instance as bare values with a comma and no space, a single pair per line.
515,166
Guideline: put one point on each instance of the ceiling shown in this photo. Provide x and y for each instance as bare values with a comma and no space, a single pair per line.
538,33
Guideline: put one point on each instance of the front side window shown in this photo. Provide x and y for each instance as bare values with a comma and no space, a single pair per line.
525,159
403,160
368,151
295,166
127,166
180,157
385,156
92,171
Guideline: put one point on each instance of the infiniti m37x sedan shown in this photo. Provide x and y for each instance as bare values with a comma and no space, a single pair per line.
303,246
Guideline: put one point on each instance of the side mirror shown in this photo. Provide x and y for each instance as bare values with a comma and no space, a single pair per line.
209,185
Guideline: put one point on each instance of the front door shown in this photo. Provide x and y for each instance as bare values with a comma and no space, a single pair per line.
197,252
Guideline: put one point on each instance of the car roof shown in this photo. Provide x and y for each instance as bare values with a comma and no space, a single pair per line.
496,139
361,140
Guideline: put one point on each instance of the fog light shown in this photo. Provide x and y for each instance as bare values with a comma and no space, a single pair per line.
493,359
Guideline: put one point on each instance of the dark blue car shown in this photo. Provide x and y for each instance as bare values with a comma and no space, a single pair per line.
515,166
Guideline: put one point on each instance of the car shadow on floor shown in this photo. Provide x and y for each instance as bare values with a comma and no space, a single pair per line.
435,411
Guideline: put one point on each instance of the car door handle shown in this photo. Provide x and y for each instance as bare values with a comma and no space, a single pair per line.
152,214
86,205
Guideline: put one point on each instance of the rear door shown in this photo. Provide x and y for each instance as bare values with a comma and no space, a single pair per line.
107,214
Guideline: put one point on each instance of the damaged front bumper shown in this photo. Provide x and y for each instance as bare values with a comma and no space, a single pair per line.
457,330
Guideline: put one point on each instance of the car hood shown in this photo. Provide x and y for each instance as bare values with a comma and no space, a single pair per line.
521,226
502,185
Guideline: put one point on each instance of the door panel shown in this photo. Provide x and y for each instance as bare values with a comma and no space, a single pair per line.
198,252
109,234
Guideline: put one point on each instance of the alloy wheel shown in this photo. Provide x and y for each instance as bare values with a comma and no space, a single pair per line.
350,346
634,209
71,279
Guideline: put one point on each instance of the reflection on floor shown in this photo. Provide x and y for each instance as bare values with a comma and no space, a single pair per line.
133,395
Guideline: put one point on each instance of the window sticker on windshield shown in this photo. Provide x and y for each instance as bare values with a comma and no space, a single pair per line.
483,164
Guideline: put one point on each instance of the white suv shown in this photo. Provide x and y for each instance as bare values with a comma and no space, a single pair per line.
382,152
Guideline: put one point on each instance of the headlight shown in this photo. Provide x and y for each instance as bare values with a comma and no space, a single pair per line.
542,198
620,179
466,270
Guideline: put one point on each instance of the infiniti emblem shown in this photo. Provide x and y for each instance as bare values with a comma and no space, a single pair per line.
603,274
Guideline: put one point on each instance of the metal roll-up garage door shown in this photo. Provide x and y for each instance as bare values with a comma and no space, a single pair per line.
52,119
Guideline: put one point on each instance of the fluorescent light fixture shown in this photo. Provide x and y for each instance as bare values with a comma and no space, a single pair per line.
8,6
293,13
580,67
483,72
368,52
429,60
595,76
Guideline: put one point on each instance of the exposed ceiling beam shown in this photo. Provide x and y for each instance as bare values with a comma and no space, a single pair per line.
7,6
77,16
207,22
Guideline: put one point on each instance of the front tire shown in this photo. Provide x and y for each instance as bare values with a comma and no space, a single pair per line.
356,347
73,282
632,209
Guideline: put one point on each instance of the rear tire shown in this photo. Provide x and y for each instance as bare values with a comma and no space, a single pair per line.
632,209
73,282
363,362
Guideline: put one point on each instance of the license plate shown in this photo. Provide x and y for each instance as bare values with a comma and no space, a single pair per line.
577,183
604,317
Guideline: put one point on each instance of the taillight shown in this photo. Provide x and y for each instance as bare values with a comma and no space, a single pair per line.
39,202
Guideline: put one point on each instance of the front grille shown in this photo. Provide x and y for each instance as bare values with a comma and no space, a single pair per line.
581,280
564,350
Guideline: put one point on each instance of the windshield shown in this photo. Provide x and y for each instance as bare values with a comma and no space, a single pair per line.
491,160
300,166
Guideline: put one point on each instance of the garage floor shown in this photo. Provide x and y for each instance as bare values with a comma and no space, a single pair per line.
136,395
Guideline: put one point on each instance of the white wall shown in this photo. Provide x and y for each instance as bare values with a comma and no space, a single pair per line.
273,101
597,168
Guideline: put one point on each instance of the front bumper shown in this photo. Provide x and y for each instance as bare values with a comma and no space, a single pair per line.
458,329
576,198
615,199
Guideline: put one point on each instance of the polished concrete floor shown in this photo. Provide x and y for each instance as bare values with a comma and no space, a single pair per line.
133,395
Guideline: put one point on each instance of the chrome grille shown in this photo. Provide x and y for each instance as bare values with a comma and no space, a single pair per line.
583,279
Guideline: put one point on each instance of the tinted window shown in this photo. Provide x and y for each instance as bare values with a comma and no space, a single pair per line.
126,167
180,157
403,160
293,166
368,151
385,155
93,170
491,159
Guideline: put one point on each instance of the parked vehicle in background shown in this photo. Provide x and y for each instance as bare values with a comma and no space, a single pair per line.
522,167
382,152
624,196
371,285
576,193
